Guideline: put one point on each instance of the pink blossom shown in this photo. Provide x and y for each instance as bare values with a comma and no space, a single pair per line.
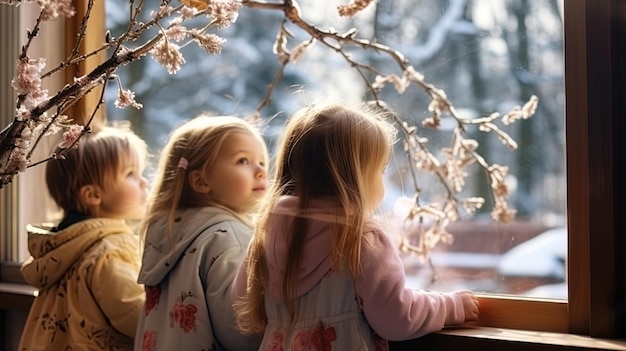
51,9
28,75
22,114
188,12
501,213
209,42
71,135
126,98
21,143
223,12
17,160
176,32
28,81
168,55
164,11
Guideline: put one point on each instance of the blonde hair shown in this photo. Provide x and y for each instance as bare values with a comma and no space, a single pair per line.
325,151
95,159
199,142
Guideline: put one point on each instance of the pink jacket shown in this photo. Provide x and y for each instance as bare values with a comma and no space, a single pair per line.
392,310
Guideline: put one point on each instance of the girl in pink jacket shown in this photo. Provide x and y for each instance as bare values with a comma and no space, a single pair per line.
320,274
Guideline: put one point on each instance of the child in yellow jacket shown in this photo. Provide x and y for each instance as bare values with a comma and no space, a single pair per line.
86,267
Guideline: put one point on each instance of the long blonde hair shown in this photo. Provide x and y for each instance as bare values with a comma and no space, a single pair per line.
325,151
199,141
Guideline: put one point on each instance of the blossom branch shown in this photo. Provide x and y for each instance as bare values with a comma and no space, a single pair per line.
449,168
450,174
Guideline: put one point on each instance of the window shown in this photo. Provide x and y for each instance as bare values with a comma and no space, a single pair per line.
22,201
595,80
480,52
26,200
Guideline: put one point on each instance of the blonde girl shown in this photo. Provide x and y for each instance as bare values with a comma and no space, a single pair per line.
320,274
86,265
211,174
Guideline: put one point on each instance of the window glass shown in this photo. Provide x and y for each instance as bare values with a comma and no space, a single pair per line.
488,56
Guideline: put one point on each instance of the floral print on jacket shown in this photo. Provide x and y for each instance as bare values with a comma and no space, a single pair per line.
318,330
330,304
187,286
88,298
184,315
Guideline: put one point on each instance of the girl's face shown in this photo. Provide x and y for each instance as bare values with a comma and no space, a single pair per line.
125,197
238,179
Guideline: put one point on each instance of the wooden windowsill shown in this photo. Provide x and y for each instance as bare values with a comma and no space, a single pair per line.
487,338
16,296
20,297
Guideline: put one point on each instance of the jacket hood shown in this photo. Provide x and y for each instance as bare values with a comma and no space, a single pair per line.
316,260
161,253
53,253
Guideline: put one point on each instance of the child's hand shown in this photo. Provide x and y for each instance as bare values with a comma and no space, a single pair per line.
470,305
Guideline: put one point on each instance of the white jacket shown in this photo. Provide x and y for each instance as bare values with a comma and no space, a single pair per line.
188,304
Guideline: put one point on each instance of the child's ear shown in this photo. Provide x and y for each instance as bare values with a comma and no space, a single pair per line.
90,195
198,183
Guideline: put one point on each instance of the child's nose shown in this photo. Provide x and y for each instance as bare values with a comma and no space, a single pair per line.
261,173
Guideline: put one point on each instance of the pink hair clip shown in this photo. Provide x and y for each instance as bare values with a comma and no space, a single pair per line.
183,163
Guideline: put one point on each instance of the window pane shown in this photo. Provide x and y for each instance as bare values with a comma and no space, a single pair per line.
488,56
495,55
26,199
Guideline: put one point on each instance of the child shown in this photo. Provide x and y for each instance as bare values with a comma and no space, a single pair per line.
211,174
86,267
319,273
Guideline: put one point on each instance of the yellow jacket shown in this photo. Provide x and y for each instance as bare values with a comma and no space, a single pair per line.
89,298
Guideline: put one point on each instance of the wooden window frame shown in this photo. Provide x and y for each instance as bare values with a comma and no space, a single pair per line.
595,59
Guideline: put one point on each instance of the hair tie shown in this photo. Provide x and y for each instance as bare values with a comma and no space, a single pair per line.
183,163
